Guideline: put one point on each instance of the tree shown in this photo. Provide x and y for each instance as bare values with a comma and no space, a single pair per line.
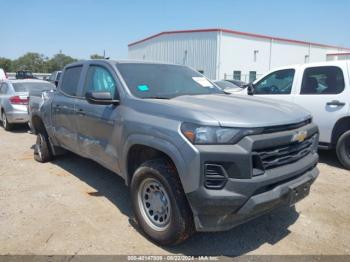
30,61
96,56
36,62
58,61
6,64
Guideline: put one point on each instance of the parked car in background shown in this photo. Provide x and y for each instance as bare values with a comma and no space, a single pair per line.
55,77
237,82
228,86
2,74
195,158
24,74
14,100
321,88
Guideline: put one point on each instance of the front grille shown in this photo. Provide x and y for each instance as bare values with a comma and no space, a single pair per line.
285,154
215,176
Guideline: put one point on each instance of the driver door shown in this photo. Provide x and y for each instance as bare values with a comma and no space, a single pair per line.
277,85
99,126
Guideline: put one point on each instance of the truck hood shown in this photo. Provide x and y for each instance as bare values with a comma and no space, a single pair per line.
229,111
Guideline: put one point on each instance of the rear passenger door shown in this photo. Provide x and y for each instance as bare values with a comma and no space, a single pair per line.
99,125
324,91
63,108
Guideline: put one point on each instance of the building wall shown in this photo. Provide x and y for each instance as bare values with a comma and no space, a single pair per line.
219,53
237,54
338,57
196,50
246,53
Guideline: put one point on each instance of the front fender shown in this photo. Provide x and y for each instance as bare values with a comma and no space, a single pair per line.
167,148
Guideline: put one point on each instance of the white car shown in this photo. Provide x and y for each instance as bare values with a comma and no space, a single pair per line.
2,75
321,88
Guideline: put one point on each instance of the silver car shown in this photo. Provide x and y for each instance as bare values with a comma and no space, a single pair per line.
14,100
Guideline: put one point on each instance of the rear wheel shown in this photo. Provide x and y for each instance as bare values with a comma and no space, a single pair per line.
6,125
343,149
42,150
159,203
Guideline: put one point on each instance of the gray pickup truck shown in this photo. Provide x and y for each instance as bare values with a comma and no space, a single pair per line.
195,158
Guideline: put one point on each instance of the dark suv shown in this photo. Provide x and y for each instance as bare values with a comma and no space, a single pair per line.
24,74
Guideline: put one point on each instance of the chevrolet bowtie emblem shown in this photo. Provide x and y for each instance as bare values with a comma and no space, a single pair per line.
299,136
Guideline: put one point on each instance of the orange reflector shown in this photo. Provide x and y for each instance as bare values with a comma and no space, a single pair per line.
189,135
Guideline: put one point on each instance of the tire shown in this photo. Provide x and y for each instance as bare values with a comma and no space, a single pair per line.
343,149
42,150
5,124
172,224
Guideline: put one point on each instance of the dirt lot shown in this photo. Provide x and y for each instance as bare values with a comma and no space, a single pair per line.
74,206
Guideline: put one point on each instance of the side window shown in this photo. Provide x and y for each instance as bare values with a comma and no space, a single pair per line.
277,83
322,80
99,79
71,80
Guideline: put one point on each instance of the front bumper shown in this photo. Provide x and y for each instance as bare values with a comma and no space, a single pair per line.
246,196
229,209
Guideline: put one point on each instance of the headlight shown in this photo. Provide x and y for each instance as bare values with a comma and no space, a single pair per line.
204,135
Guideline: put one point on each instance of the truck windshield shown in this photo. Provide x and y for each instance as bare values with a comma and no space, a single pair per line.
28,87
164,81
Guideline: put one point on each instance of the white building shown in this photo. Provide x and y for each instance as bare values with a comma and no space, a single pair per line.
222,53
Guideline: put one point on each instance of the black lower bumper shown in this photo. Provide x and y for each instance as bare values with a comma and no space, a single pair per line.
218,210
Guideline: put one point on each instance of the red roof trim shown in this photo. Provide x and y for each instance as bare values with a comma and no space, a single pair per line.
236,33
334,54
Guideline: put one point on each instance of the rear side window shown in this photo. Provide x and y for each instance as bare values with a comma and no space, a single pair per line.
71,80
322,80
277,83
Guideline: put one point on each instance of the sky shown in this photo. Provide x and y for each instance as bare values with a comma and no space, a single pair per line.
80,28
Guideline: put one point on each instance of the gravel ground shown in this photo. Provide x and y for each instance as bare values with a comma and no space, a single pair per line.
74,206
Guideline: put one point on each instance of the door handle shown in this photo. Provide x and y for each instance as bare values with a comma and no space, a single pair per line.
335,103
81,112
57,108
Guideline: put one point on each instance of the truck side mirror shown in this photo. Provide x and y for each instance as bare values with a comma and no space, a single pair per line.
101,98
250,89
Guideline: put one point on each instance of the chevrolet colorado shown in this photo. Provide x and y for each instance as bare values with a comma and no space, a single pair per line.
194,157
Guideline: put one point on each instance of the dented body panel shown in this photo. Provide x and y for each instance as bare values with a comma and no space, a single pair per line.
106,133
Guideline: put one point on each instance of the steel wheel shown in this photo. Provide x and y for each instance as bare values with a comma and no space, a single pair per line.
154,204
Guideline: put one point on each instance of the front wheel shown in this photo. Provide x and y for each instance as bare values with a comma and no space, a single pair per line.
343,149
159,203
42,150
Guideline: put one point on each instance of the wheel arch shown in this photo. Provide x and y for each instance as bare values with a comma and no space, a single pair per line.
341,126
140,148
37,124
